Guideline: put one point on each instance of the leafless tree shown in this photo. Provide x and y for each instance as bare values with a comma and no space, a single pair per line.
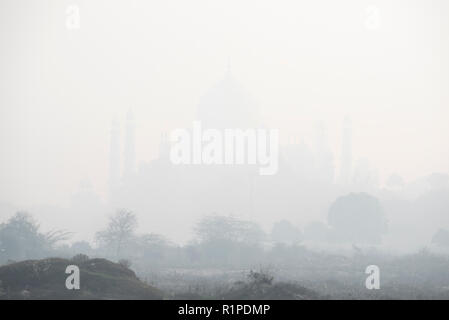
120,229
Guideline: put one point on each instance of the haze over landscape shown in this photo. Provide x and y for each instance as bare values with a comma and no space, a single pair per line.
92,91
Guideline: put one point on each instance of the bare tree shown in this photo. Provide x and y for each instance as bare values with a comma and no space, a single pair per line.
228,228
120,229
21,238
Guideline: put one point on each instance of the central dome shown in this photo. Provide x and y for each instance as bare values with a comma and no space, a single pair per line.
228,105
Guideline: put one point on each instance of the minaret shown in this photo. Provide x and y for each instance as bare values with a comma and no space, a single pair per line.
114,157
346,152
129,155
164,147
324,157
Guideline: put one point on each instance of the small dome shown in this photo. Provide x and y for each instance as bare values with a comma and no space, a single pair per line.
228,105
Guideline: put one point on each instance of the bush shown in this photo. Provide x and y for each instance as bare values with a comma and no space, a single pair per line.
125,263
260,278
441,238
80,258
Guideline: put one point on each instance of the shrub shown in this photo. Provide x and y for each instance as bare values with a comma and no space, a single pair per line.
125,263
80,258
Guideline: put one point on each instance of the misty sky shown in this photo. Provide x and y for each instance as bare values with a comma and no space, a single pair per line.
304,62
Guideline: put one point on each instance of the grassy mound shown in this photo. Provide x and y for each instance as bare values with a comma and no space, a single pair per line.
45,279
271,291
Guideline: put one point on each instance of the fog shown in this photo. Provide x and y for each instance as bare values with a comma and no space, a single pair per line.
91,93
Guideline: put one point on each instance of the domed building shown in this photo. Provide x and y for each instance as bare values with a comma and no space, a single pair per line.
228,105
162,193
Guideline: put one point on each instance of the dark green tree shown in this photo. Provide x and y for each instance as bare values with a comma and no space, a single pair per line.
357,218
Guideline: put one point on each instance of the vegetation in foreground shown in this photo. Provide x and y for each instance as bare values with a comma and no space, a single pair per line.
217,264
46,279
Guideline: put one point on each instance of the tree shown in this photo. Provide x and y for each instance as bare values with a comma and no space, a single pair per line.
441,238
119,231
438,180
125,263
395,181
357,217
226,240
81,247
316,231
284,232
20,238
227,228
80,258
153,247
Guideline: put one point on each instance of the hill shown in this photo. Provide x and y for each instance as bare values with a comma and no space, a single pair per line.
46,279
